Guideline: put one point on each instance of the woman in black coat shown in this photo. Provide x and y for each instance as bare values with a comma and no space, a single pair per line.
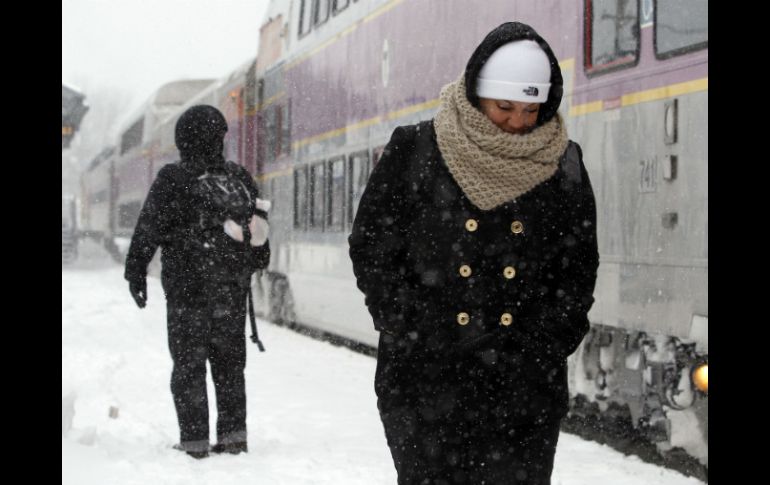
475,247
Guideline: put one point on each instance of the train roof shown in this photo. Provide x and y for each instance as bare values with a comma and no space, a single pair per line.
165,101
214,91
177,93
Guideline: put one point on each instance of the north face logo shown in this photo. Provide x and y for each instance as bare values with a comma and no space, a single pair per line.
531,91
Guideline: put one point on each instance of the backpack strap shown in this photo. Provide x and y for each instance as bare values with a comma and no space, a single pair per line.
254,334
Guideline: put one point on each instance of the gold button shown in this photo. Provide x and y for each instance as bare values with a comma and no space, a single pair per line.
506,319
509,272
471,225
517,227
465,270
463,318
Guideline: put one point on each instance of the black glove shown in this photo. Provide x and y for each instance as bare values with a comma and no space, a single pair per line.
138,288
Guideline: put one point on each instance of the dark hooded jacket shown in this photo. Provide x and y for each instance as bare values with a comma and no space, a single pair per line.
170,216
413,232
505,33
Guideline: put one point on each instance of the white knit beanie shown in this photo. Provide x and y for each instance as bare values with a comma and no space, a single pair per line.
517,71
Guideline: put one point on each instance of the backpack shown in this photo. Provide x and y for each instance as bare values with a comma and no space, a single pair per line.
224,202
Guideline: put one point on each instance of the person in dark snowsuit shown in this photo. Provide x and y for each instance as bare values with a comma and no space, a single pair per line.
205,300
475,247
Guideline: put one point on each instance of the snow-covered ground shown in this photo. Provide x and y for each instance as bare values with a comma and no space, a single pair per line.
312,414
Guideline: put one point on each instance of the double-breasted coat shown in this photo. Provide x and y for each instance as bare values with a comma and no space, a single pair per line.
477,310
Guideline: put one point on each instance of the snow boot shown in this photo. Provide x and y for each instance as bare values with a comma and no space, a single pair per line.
232,448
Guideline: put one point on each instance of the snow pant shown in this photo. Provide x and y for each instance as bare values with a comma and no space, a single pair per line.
211,327
467,448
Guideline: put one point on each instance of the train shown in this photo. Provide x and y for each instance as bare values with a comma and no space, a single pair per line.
69,229
311,112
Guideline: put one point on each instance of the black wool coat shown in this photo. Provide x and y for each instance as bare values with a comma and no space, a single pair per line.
477,310
170,219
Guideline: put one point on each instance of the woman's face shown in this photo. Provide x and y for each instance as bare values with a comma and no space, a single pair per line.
511,116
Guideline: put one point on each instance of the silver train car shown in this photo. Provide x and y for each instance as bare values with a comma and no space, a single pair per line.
116,182
309,118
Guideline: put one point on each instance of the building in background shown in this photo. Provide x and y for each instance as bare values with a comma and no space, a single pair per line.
72,111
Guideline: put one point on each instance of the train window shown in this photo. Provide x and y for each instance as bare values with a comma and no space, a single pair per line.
340,5
336,191
273,189
321,12
611,35
271,127
128,214
285,131
317,173
305,14
277,132
681,26
98,197
301,205
358,174
132,137
67,213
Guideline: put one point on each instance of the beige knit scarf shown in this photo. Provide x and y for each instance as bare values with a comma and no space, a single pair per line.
490,165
